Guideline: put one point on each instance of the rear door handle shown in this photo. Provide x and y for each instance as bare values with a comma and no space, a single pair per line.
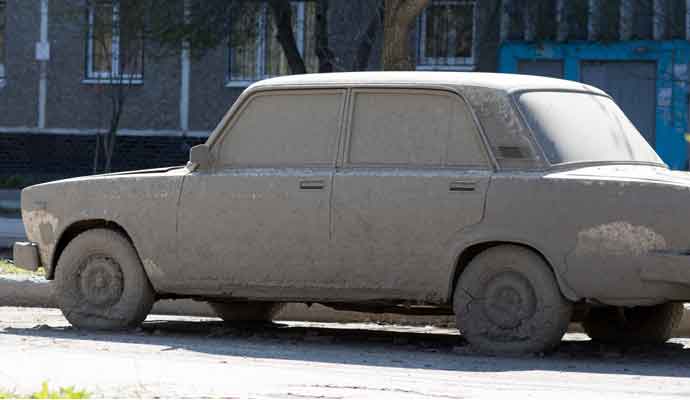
463,186
312,184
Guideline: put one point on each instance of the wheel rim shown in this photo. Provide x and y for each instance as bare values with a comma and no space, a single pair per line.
100,281
510,300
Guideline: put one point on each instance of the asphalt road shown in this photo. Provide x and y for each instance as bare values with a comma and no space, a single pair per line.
184,357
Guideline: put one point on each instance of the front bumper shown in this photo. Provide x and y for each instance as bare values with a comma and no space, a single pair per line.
26,256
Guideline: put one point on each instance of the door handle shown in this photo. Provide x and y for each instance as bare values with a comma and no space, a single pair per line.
312,184
463,186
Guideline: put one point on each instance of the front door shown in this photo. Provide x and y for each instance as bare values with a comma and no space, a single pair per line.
414,175
257,225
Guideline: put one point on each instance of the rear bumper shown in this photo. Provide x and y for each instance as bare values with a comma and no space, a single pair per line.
26,256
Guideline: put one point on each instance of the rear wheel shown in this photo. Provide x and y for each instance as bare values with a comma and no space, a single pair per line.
245,311
507,301
101,284
634,325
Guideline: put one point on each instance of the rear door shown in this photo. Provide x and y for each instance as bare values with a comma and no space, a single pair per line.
414,175
258,224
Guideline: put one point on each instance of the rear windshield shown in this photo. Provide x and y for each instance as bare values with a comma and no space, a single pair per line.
584,127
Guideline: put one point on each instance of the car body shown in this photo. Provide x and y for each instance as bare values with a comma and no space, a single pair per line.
374,191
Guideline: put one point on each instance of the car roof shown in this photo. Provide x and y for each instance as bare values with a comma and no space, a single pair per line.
505,82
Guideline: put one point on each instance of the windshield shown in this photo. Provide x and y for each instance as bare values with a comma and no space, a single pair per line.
584,127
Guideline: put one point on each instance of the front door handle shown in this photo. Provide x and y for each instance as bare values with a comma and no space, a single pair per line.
314,184
463,186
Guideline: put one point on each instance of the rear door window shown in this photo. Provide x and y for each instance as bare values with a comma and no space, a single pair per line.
413,128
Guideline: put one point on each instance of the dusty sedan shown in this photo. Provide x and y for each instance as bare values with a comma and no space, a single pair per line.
516,203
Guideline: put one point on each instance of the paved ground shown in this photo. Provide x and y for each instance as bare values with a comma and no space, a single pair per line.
183,357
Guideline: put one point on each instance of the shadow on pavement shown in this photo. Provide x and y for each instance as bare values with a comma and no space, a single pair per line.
385,348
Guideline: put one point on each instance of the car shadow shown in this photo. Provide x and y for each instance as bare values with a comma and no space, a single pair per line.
332,343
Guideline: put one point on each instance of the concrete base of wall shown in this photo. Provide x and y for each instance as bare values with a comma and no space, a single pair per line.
23,292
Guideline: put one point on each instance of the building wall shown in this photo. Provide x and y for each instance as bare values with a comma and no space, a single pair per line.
19,96
74,104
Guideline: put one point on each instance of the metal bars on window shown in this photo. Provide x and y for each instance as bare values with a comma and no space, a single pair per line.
114,47
601,20
254,51
446,35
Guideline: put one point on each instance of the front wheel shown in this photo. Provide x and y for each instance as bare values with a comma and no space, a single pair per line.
100,283
507,301
634,325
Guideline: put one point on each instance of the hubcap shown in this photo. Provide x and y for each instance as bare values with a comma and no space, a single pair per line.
510,300
100,283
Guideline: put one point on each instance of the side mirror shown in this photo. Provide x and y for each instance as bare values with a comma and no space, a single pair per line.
200,157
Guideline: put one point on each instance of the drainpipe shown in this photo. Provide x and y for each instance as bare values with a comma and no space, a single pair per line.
659,20
43,56
530,23
594,20
185,75
506,7
687,19
626,20
562,20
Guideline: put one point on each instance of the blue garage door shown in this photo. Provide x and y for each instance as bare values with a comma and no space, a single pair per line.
632,85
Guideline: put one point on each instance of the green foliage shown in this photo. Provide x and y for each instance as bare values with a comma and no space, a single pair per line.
46,393
13,182
63,393
11,269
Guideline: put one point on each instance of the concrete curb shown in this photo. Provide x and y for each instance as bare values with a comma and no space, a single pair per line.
37,292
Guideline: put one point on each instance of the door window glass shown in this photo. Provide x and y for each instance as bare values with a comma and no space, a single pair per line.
285,128
413,128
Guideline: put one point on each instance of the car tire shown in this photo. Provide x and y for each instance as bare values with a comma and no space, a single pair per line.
507,301
633,325
100,283
244,311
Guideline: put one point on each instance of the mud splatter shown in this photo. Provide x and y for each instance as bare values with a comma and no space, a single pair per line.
619,238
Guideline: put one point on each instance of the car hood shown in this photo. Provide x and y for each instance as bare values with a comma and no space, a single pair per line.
626,173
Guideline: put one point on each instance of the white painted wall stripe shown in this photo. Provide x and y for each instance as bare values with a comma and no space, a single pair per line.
43,77
186,76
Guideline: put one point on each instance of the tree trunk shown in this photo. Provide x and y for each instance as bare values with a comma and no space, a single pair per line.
399,17
323,50
282,12
366,44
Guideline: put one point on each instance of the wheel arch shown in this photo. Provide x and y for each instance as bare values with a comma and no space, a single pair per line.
470,252
77,228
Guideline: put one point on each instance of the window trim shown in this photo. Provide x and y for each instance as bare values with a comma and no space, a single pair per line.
224,132
114,77
261,42
490,164
424,63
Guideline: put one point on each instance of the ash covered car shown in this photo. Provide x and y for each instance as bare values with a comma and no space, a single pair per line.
517,203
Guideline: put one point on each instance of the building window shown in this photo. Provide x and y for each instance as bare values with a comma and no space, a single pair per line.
2,38
446,35
115,48
255,52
